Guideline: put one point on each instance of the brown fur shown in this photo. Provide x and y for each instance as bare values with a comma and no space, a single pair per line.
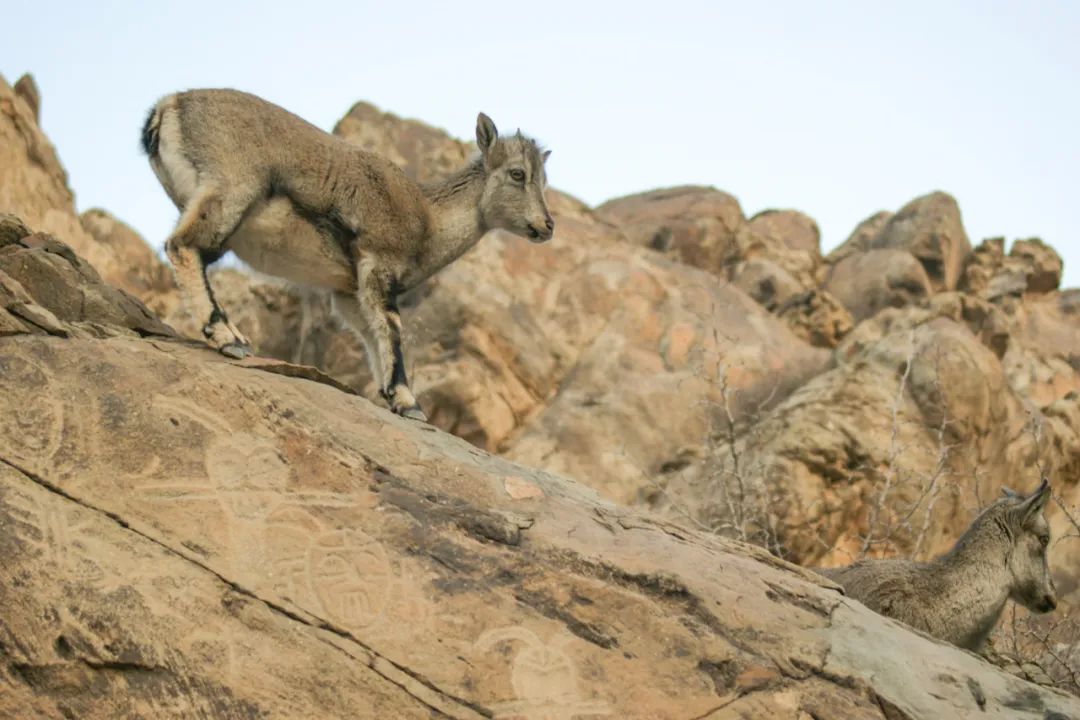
299,203
959,596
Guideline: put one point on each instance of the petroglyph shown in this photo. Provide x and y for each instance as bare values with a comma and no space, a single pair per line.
345,573
34,429
544,678
54,528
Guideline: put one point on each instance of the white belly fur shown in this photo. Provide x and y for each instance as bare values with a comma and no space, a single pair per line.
274,240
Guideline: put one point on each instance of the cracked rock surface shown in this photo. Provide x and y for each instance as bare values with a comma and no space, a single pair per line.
184,536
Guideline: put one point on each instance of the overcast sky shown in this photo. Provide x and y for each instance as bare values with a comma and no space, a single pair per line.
838,109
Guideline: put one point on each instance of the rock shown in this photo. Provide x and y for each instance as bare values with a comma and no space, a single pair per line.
695,225
916,410
766,282
676,349
794,229
867,282
133,266
1030,267
817,317
55,290
861,237
33,184
930,228
984,264
188,536
1043,265
770,271
1043,361
772,258
27,89
423,152
12,229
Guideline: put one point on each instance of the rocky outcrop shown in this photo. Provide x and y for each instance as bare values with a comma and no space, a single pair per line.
188,535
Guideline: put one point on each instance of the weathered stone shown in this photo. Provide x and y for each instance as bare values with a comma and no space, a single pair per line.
796,230
27,89
694,225
70,290
867,282
930,228
860,238
1042,264
817,317
12,229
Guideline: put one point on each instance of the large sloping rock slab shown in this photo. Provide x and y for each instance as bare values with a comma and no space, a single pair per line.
187,536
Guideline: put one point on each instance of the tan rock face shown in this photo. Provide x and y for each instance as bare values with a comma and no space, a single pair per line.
133,266
423,152
191,536
33,185
27,89
860,238
867,282
796,230
651,384
880,454
930,228
44,280
1030,267
695,225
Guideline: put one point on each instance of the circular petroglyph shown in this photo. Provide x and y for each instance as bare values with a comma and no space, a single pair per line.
30,424
350,575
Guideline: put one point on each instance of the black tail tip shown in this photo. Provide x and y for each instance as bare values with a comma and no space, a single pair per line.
150,134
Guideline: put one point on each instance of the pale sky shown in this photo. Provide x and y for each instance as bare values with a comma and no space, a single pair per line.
838,109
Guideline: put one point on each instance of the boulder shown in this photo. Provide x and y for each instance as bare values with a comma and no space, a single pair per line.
1042,264
26,88
1043,359
423,152
1030,267
860,238
133,265
52,290
930,228
695,225
867,282
817,317
794,229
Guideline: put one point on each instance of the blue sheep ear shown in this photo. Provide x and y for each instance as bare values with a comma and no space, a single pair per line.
486,134
1036,501
546,155
1008,492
